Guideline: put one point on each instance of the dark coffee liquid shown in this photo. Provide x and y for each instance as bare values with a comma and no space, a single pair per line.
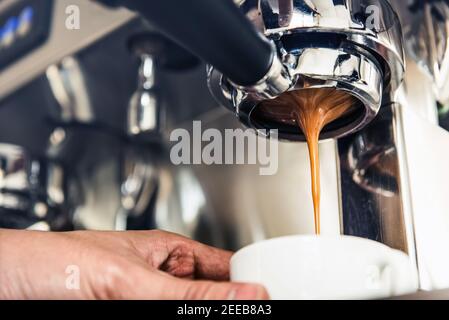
310,110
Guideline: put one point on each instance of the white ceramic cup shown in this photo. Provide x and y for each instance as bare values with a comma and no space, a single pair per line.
325,267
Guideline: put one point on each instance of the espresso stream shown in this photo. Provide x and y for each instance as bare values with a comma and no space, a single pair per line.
311,110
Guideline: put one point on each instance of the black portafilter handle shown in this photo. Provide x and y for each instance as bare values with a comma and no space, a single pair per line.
214,30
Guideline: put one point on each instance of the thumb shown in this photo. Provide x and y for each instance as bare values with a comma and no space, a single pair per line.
209,290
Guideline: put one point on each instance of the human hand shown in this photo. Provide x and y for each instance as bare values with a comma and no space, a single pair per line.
115,265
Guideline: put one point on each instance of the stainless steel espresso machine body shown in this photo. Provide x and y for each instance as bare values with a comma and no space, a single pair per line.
96,106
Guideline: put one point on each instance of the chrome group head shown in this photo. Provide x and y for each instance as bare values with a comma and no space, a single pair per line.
350,45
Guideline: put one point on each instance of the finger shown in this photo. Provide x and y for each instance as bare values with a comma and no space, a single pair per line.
180,289
145,284
182,257
193,260
211,263
208,263
142,283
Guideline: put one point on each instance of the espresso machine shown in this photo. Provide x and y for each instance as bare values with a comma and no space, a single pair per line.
87,108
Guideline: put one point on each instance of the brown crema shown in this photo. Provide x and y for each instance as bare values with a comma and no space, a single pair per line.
311,110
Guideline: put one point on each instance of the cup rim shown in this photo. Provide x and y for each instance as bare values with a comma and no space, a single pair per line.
309,237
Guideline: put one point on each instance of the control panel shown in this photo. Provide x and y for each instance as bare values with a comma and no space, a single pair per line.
23,27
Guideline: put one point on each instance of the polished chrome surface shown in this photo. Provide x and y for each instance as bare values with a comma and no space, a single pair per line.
144,111
277,80
140,182
32,190
349,72
139,186
13,162
426,33
68,86
371,24
354,46
371,186
156,194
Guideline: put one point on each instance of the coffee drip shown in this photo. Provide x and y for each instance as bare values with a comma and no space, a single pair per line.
311,110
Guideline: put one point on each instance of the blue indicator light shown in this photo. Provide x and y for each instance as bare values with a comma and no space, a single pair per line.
9,31
25,21
2,37
11,25
26,15
17,27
